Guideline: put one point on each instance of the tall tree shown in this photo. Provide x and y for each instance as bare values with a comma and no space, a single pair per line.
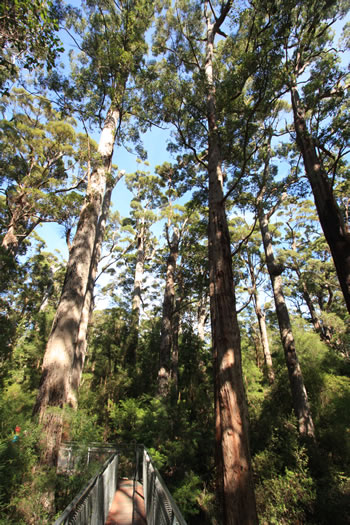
194,29
28,36
146,196
167,330
311,270
114,45
299,395
42,159
86,313
175,227
246,250
318,88
260,314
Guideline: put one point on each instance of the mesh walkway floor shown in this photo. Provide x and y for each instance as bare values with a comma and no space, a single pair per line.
126,509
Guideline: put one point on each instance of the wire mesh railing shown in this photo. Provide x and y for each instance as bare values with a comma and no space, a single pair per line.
161,508
73,455
92,504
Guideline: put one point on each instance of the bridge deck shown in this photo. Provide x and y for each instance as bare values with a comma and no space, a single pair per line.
121,511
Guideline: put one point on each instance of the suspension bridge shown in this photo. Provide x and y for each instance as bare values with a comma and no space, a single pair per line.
109,499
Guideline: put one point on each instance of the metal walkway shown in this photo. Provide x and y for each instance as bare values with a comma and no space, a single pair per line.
100,502
128,506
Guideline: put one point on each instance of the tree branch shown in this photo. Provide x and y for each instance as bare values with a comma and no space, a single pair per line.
245,238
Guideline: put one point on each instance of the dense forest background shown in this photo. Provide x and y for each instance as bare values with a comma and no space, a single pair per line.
211,321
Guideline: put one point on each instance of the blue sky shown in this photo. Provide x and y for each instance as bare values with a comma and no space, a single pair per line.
155,143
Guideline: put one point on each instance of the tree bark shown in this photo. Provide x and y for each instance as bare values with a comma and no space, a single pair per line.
55,388
234,474
140,263
256,337
318,327
298,390
166,341
262,325
202,316
10,241
174,359
329,214
81,345
132,340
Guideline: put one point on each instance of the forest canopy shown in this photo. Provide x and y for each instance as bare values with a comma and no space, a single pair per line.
194,158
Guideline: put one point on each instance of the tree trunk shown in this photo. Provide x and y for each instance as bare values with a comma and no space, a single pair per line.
329,214
202,316
314,318
174,360
256,337
235,480
298,390
262,325
55,386
140,263
319,329
166,341
81,345
10,241
132,340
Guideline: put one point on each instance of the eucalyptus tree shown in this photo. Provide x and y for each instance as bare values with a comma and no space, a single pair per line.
175,227
112,45
188,95
146,196
42,160
88,306
275,268
26,305
194,269
28,36
166,350
312,73
303,257
309,268
249,272
260,314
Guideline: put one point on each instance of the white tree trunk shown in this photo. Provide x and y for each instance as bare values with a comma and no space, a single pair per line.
81,346
55,386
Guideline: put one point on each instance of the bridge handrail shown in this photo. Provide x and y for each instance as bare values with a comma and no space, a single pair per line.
159,503
83,509
72,452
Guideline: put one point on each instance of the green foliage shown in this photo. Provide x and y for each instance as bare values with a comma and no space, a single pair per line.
82,426
253,379
334,418
18,459
286,498
28,36
298,482
175,440
41,152
187,496
68,486
144,420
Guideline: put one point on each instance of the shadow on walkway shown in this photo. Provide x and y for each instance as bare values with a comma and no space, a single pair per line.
121,511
